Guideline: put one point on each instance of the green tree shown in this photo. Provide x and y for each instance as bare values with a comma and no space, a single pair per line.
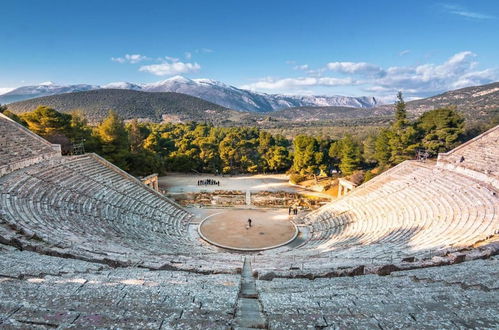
114,140
369,149
335,153
277,159
209,156
47,122
350,155
382,152
402,135
400,112
441,129
135,135
307,155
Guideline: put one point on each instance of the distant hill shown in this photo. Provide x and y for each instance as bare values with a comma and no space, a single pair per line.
209,90
95,104
329,113
477,102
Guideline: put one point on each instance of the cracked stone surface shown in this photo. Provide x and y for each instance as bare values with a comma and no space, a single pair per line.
65,293
57,292
423,298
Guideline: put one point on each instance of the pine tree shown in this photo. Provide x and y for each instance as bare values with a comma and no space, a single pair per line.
114,139
400,113
135,136
402,136
350,156
47,122
382,148
440,129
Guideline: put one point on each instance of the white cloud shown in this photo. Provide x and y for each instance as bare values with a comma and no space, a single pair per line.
464,12
361,68
171,59
291,83
188,55
404,52
172,67
302,67
458,71
130,58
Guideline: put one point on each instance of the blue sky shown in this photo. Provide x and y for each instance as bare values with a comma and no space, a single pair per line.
296,47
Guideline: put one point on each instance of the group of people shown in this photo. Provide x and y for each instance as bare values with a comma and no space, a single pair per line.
208,182
293,209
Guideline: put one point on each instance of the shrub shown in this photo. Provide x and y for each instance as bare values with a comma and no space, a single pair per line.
297,178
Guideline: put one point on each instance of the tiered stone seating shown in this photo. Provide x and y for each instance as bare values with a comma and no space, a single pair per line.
67,225
477,158
412,210
19,147
457,296
88,208
39,291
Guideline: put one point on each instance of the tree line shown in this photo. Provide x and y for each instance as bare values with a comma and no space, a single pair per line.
143,148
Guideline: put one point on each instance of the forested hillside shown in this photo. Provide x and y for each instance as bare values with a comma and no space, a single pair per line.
143,148
95,105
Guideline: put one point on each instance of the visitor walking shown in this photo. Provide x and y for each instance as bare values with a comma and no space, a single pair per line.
249,222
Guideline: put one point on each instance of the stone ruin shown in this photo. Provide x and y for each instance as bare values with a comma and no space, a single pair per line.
85,245
218,198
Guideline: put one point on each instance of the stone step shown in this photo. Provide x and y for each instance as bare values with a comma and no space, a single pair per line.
248,289
249,314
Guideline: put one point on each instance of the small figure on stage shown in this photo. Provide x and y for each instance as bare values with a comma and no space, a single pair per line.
249,222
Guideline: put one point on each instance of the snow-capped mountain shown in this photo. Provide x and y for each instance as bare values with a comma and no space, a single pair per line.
43,89
245,100
122,85
207,89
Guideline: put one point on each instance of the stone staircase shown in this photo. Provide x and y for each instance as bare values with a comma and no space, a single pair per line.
249,310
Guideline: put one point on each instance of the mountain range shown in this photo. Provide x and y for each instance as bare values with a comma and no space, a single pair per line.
477,103
209,90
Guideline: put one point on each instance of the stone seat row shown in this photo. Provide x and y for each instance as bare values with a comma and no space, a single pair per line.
480,154
84,206
412,210
448,208
54,292
417,299
17,143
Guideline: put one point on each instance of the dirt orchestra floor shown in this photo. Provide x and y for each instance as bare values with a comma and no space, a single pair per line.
230,228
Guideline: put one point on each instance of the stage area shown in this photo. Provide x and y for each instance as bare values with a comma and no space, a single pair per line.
229,229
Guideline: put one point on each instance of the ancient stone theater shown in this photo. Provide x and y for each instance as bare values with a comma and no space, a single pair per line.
85,245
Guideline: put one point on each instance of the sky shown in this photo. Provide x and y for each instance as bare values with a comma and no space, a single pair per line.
353,48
